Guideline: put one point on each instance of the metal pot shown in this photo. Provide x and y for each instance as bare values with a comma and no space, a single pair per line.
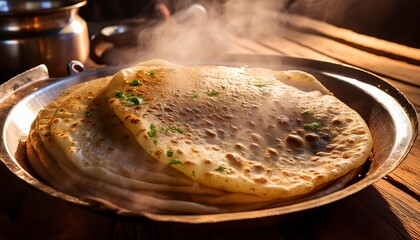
132,40
41,32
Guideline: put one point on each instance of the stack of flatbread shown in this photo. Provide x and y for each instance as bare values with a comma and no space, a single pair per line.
165,138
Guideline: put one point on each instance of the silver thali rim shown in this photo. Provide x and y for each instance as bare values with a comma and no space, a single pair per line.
303,64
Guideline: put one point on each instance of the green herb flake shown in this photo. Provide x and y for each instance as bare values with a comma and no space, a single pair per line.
152,132
194,95
220,168
307,113
169,153
176,129
175,162
193,173
120,94
133,100
212,93
314,126
135,82
152,73
223,87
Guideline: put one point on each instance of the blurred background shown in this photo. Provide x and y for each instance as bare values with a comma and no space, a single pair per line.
392,20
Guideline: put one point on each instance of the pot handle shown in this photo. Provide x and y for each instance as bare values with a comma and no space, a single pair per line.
96,40
75,67
115,35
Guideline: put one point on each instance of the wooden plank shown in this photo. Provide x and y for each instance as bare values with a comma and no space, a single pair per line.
381,65
27,213
406,175
373,213
293,49
367,43
254,46
412,93
236,49
239,50
125,229
405,207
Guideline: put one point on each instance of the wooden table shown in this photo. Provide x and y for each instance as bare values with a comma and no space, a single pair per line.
389,209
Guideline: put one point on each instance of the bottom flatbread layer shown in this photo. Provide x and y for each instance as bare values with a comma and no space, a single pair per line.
128,202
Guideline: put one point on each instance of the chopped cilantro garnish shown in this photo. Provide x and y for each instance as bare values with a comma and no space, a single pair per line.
220,168
307,112
169,153
152,73
133,101
175,162
176,129
314,126
135,82
120,94
152,132
212,93
223,87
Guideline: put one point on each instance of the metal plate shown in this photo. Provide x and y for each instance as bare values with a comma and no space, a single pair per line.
391,118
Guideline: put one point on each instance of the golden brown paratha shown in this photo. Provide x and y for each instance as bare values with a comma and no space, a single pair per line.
275,134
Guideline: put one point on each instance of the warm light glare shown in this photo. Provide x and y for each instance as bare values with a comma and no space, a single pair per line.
14,129
398,114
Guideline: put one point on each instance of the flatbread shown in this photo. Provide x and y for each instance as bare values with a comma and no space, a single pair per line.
273,134
79,146
170,139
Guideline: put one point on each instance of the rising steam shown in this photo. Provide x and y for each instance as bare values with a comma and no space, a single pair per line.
197,33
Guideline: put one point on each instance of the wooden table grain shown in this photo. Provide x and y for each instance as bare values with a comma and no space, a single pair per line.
388,209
